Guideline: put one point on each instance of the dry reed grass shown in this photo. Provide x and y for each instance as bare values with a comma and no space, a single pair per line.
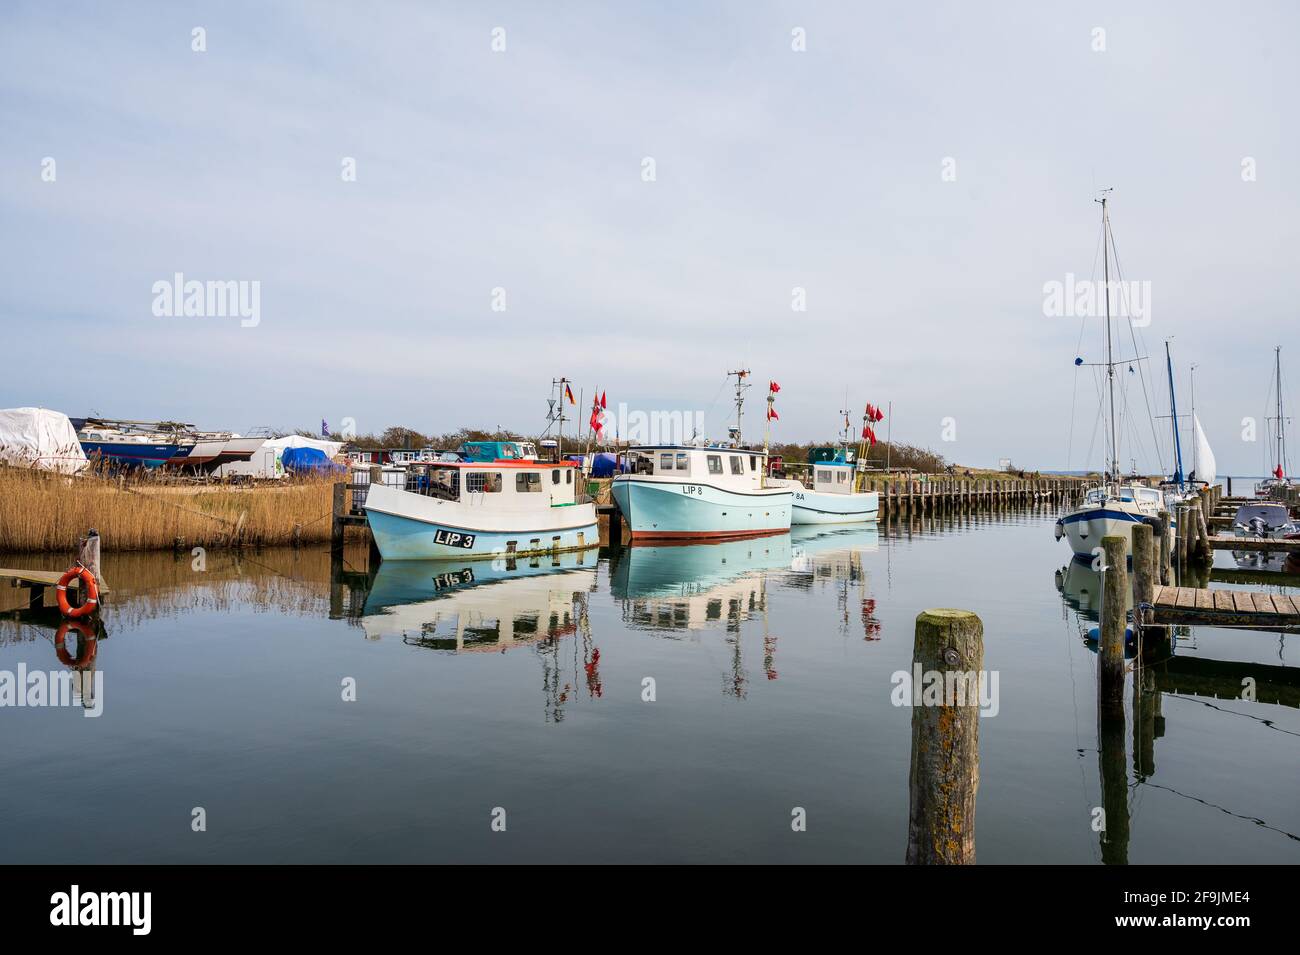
45,512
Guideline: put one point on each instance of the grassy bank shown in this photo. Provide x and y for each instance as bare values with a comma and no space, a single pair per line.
43,512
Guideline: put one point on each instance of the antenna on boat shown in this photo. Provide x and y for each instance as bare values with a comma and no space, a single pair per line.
555,412
741,386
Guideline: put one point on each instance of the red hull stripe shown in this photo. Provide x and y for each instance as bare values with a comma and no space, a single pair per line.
703,535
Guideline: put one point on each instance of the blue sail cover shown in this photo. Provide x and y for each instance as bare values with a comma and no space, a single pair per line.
307,461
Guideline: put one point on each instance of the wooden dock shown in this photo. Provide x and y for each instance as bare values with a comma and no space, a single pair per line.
29,589
1227,608
1270,544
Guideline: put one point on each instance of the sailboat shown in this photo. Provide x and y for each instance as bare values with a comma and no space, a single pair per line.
1114,508
1280,480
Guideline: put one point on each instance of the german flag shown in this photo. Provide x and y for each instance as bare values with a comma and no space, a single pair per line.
568,393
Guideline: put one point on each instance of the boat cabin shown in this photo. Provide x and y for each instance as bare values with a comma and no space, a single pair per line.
1136,493
721,466
507,484
494,451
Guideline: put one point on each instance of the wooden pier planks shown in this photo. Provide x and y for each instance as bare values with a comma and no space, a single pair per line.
1233,608
1229,542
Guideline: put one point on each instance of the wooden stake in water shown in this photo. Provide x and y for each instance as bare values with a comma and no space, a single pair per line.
1114,620
945,742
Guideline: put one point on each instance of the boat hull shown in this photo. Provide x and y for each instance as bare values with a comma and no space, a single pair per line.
814,507
409,526
1085,529
682,511
129,454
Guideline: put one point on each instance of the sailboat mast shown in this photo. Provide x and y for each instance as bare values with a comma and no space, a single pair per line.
1196,443
1173,419
1110,354
1281,425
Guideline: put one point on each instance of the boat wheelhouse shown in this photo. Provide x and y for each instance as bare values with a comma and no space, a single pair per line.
679,492
827,492
472,509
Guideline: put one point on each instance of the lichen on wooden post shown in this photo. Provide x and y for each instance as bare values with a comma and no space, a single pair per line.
944,774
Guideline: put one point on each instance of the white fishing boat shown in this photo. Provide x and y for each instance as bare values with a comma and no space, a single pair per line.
682,492
481,509
829,489
1114,508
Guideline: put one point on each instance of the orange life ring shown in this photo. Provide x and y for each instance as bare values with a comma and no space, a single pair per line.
88,584
88,643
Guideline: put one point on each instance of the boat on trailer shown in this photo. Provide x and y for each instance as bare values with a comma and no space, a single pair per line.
481,509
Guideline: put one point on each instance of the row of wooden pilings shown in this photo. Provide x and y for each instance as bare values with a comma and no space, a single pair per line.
931,495
1192,544
944,773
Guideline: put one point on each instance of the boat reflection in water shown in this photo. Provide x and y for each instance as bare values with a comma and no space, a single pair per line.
834,556
475,606
1081,587
493,606
684,587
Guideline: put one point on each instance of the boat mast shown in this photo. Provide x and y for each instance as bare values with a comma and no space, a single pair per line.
1281,423
1196,441
1110,355
1173,420
741,374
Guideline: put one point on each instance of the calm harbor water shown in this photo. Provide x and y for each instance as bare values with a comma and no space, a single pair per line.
522,688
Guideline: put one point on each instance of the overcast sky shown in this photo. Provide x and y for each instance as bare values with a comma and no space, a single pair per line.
774,169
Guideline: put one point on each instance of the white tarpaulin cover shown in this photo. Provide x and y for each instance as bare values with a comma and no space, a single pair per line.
41,439
330,448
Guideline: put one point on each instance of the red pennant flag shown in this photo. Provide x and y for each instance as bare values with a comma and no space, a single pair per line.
771,414
602,399
879,415
1278,472
871,435
871,412
773,387
866,433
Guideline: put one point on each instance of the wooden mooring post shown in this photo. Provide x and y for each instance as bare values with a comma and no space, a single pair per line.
1164,551
1114,621
944,776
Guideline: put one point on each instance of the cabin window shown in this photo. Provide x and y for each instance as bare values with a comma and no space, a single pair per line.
483,482
823,477
555,476
753,462
528,482
666,461
715,464
568,476
841,476
683,461
737,465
